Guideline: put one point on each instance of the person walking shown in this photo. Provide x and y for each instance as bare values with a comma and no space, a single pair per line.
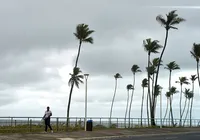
47,117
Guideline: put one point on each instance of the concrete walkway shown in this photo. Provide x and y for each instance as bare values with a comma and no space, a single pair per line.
98,134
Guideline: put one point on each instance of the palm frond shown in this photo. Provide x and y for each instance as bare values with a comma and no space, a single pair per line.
76,77
161,20
193,77
129,87
151,46
83,33
135,69
117,75
172,66
88,40
171,20
144,83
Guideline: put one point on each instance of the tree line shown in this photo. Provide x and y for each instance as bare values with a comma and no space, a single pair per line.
169,22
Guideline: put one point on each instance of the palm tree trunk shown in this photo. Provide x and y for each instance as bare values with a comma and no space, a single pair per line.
142,105
153,92
166,110
72,86
149,95
171,112
79,50
191,104
131,101
180,105
148,108
152,84
171,98
157,73
198,72
68,107
155,105
170,76
113,100
187,112
126,107
184,108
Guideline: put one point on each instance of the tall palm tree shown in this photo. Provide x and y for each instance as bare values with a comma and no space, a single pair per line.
188,95
76,78
182,80
116,76
144,84
83,34
169,94
150,47
135,69
193,78
128,87
196,54
170,66
172,19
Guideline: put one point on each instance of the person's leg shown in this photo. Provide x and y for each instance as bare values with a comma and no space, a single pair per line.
49,125
46,124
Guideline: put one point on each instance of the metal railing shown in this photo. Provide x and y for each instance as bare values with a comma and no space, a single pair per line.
36,124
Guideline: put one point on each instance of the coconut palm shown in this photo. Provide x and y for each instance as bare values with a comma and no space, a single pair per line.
170,66
172,19
128,87
151,70
182,80
169,94
196,54
76,78
188,95
144,84
83,34
193,78
116,76
150,47
135,69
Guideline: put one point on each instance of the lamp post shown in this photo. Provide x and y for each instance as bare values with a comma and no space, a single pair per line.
86,77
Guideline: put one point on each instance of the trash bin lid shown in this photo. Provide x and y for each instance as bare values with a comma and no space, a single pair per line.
89,121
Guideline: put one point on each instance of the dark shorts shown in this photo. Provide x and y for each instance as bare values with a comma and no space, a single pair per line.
47,121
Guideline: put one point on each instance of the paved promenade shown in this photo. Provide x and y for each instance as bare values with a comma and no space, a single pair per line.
115,134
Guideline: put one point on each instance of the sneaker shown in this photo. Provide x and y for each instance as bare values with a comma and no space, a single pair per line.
51,131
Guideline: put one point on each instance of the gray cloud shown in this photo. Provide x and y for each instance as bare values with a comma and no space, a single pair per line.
120,54
24,69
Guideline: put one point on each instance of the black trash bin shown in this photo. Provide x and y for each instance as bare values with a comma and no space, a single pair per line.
89,125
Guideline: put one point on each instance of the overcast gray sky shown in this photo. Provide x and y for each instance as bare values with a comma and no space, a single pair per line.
38,50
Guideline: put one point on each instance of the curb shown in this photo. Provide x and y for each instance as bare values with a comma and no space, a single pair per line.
123,136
